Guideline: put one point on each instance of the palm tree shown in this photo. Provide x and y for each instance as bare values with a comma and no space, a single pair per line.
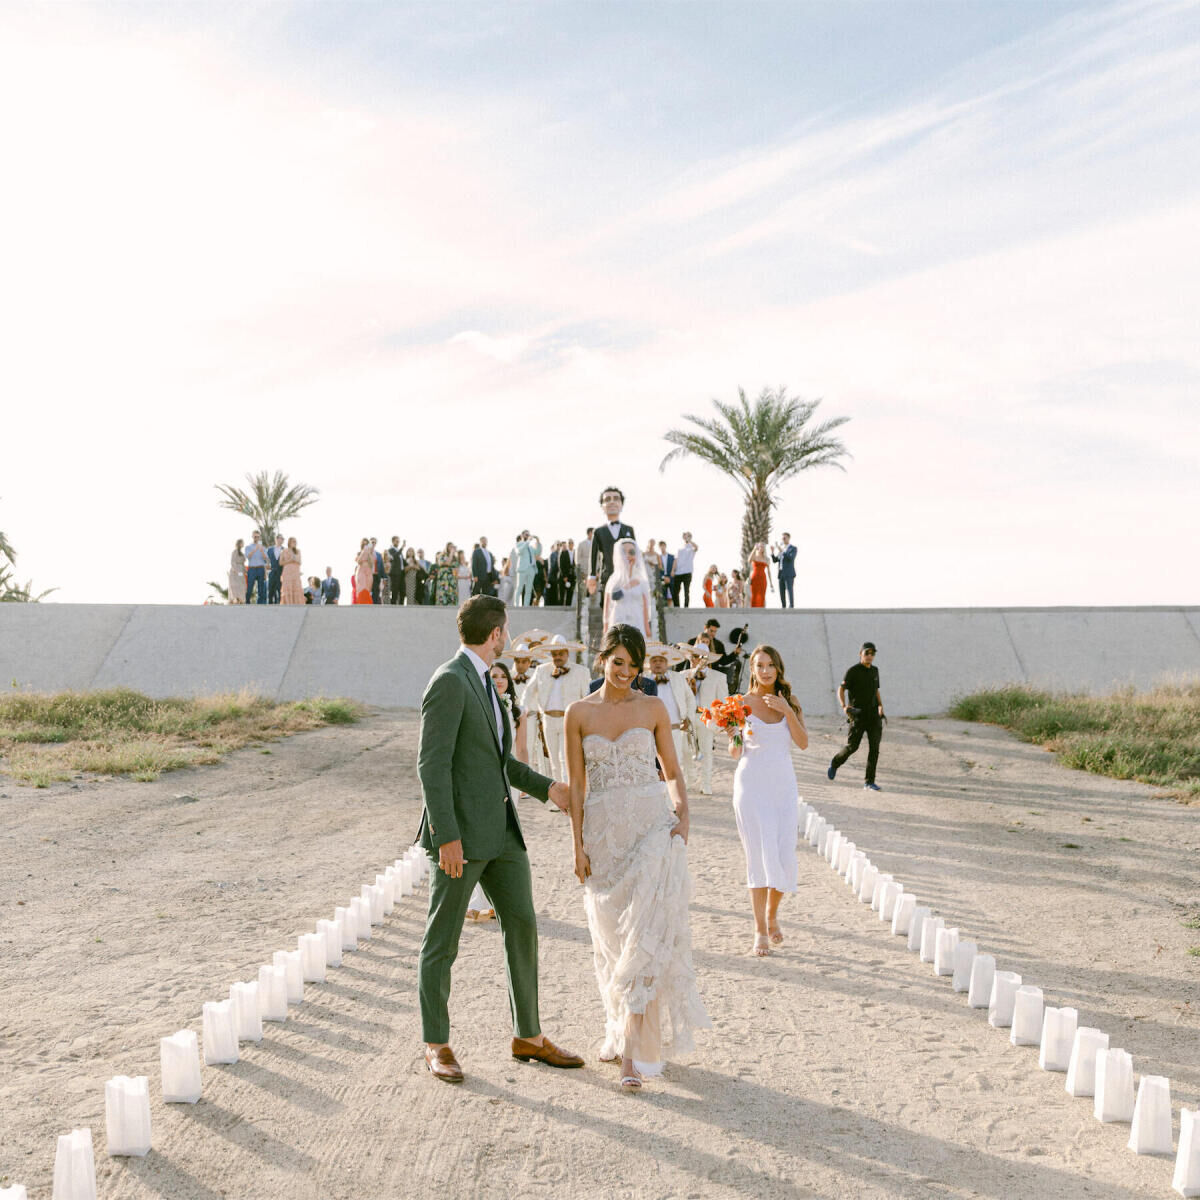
271,500
12,592
760,446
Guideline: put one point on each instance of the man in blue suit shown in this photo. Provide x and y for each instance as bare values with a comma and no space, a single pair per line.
668,569
331,590
785,556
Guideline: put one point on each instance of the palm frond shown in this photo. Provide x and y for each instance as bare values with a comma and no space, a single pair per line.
759,444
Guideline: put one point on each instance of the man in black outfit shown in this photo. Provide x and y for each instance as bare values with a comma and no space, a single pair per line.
858,694
612,500
394,560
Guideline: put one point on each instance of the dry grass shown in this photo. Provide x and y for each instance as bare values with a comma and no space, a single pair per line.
44,738
1152,737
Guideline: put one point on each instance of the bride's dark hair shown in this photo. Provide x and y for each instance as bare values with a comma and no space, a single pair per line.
782,687
620,636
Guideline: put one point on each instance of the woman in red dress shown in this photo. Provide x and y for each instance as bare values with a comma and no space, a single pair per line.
710,577
758,576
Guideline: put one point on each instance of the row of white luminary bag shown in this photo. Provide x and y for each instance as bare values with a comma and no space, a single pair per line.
1093,1069
224,1024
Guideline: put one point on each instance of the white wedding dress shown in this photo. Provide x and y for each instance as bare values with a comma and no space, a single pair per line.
637,903
630,609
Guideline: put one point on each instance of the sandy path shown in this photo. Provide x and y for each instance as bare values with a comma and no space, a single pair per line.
839,1067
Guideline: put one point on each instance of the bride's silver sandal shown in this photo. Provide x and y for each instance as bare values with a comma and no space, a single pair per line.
762,945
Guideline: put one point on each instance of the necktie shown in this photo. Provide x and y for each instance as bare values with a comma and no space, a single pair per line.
564,671
521,679
660,679
491,693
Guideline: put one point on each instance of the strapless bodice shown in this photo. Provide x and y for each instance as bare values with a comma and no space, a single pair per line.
624,761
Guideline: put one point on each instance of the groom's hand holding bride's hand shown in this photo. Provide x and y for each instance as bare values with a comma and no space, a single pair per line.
560,795
450,859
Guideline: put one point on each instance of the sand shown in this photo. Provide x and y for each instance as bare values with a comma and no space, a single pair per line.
840,1066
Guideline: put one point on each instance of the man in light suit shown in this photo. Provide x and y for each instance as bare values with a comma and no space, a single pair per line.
605,537
785,556
522,564
470,828
555,685
676,693
706,686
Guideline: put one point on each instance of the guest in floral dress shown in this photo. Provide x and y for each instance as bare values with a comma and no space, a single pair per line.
291,589
737,590
446,576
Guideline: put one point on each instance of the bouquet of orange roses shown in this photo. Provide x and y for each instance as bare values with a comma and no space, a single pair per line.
729,714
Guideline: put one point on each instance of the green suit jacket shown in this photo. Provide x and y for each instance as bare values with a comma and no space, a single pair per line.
467,774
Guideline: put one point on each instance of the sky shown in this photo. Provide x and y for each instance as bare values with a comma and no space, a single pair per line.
462,266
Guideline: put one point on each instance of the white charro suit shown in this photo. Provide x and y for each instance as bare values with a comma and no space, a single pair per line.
533,743
711,686
550,697
680,692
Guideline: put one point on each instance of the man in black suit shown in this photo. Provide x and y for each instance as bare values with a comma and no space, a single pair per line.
553,576
275,576
566,572
394,559
483,570
607,535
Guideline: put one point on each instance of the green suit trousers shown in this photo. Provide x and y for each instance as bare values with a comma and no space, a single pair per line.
507,883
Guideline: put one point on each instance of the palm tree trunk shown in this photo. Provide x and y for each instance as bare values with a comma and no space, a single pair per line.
756,524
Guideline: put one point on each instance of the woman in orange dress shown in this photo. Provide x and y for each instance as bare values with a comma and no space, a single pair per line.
710,577
291,589
364,572
758,576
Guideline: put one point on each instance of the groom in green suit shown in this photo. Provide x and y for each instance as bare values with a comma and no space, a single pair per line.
470,826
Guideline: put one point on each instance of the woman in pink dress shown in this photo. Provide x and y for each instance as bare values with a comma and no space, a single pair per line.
291,589
364,572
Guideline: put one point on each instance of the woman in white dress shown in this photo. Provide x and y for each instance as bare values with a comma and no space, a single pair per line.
462,573
765,802
627,592
237,574
630,832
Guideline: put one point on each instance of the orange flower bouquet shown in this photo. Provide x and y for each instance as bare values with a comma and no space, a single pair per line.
729,714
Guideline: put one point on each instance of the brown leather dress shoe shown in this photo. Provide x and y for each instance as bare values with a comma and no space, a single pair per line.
547,1053
443,1065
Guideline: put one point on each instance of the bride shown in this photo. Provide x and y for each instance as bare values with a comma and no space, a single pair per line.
627,592
631,857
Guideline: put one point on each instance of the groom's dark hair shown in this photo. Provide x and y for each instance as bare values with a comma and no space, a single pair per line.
478,617
617,490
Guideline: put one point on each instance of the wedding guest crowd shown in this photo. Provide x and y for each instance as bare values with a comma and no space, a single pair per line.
530,575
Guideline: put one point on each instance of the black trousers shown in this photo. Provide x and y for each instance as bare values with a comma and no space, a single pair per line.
874,731
376,580
396,588
274,585
682,585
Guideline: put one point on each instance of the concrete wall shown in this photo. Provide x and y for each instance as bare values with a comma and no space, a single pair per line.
383,656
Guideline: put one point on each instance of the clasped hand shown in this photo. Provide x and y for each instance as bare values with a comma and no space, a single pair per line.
583,864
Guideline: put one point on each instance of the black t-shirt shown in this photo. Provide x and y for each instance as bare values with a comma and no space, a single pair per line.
861,684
